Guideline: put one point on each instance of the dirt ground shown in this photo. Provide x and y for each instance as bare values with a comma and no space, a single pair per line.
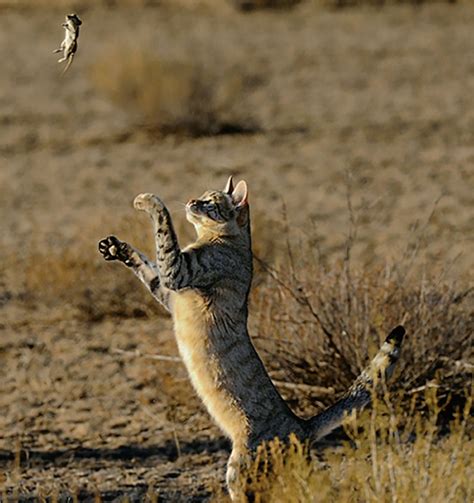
372,103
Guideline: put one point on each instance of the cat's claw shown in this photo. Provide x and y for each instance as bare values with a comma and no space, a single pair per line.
112,248
147,202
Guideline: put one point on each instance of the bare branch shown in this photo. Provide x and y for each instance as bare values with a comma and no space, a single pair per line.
139,354
307,388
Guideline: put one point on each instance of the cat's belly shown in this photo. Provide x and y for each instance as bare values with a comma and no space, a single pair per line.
191,324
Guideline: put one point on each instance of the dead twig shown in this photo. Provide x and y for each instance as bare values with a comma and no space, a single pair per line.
139,354
307,388
301,297
422,388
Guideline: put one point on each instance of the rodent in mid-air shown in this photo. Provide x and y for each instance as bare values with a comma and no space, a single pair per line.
69,44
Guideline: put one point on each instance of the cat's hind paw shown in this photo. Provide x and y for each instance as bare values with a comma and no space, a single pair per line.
389,353
148,202
112,248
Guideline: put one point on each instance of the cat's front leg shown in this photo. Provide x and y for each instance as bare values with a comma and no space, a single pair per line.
174,266
112,248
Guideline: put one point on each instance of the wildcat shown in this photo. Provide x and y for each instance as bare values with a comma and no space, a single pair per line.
69,45
206,286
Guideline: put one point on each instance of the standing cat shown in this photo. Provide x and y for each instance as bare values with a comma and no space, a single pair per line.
205,286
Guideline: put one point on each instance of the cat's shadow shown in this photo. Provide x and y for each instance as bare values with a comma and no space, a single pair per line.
167,451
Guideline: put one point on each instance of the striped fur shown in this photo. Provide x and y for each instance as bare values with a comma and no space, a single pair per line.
205,287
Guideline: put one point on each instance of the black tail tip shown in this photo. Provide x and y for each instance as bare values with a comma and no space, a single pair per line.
396,335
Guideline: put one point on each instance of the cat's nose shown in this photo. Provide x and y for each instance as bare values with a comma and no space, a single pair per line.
192,202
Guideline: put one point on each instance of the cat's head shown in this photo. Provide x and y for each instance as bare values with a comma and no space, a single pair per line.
220,212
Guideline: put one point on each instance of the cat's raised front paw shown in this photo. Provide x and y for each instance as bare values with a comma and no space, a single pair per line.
148,202
112,248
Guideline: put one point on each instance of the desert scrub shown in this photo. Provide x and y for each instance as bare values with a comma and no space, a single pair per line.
171,96
318,325
390,457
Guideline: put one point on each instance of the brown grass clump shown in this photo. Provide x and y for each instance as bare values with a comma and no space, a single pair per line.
77,281
170,96
383,462
73,4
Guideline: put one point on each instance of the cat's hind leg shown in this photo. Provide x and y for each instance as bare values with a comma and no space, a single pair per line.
235,479
112,248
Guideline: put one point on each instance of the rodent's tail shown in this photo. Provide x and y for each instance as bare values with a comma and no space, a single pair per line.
359,394
68,64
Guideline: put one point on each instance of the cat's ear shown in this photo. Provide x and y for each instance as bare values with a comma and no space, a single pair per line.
240,194
240,199
229,186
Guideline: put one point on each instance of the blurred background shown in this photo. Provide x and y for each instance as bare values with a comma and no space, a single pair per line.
352,123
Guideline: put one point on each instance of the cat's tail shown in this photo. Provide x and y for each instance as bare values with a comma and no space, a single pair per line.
359,394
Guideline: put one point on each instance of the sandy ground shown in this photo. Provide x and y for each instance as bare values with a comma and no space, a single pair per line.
382,98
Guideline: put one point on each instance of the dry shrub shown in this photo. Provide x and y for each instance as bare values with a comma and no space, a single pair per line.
249,5
77,280
383,462
382,3
75,4
319,326
169,96
56,273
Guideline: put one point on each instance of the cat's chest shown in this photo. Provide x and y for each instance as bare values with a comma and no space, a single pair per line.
191,319
192,324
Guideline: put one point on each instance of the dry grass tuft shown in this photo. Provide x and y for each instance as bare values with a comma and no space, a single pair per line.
384,461
169,96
